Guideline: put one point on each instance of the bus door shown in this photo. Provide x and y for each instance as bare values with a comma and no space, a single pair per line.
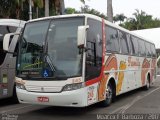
7,65
93,56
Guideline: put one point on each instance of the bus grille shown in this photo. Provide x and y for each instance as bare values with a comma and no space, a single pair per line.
43,89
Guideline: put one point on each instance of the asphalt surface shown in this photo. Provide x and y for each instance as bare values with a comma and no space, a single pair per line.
138,104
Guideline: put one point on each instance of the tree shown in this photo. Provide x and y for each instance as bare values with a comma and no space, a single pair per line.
38,4
86,9
141,20
109,10
46,8
5,8
83,1
58,6
119,17
18,6
70,11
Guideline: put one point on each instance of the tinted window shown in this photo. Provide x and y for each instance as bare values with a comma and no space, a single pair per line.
112,44
142,48
135,45
123,42
94,52
148,49
153,50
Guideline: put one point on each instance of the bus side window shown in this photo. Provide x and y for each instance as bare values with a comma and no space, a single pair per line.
135,45
148,49
94,49
123,42
142,48
153,50
112,40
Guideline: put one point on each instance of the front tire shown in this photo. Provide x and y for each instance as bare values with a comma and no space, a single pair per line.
109,96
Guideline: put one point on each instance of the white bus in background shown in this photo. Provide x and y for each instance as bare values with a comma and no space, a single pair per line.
79,60
7,60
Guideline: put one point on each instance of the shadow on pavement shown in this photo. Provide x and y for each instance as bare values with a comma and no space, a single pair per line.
7,102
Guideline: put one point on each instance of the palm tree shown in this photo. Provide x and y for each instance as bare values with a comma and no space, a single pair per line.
46,8
38,4
119,17
83,1
139,18
32,3
5,8
109,10
58,6
62,6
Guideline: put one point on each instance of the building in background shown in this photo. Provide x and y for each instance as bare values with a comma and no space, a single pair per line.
152,35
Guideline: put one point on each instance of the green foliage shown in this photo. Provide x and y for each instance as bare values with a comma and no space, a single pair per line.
38,3
19,8
70,11
119,17
5,8
141,20
86,9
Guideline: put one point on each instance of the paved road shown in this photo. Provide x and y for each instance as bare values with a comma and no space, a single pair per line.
135,102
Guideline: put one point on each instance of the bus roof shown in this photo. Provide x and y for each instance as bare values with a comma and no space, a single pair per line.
93,17
12,22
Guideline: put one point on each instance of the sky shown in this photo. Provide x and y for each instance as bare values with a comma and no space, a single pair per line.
154,37
127,7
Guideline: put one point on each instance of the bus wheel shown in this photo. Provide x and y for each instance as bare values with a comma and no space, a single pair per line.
147,86
109,96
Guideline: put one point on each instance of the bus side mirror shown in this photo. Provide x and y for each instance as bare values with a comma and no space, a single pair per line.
81,36
6,40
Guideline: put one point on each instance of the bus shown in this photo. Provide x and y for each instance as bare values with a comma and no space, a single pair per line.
7,60
80,59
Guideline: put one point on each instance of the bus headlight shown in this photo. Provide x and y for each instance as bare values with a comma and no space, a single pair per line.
20,86
74,86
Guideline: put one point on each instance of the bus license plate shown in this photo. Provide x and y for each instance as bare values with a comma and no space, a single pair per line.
43,99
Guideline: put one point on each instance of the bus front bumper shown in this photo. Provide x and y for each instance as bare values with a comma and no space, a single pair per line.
75,98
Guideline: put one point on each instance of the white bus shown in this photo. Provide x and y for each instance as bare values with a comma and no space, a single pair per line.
7,60
79,60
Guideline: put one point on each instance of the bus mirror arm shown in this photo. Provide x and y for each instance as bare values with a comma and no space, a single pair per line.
81,36
6,41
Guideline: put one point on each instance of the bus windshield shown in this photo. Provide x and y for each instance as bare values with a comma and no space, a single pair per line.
48,49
